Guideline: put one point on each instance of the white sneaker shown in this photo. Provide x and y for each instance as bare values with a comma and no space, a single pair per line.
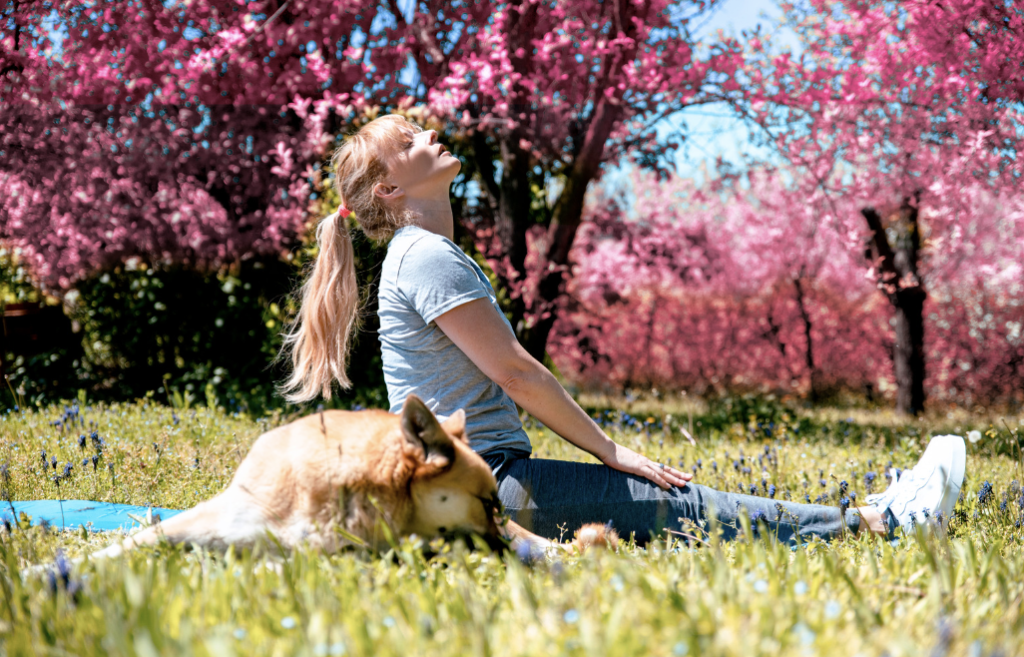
930,489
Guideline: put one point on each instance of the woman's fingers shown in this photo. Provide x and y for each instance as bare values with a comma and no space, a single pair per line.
669,475
675,480
653,473
679,474
664,476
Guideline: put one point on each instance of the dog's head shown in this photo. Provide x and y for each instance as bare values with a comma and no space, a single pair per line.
453,490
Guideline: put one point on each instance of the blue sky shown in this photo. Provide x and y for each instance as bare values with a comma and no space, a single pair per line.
714,130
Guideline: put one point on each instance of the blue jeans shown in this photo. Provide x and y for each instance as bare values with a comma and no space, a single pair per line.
553,498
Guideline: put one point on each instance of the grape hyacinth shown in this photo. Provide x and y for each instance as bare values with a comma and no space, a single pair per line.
985,494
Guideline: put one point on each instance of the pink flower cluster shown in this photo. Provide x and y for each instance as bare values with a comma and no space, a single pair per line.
720,289
181,132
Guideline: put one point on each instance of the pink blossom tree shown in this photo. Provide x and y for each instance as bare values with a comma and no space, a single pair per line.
192,132
170,132
895,111
762,287
724,288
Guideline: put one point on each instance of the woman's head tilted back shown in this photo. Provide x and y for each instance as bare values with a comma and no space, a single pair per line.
329,298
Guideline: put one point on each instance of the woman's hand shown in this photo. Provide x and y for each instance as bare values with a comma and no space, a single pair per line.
626,460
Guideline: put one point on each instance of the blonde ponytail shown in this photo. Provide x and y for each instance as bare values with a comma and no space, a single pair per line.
328,317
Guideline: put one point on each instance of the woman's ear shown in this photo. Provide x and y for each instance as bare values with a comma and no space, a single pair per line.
455,425
388,192
420,427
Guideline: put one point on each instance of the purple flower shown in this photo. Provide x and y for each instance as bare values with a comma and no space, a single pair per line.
985,494
60,577
97,442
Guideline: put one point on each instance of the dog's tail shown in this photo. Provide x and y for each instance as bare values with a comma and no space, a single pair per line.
595,535
216,524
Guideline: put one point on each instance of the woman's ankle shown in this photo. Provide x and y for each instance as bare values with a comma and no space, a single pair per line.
871,520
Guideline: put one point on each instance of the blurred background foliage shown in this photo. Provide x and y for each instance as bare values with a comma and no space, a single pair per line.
153,331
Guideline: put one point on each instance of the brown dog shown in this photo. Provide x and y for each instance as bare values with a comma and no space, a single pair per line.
339,478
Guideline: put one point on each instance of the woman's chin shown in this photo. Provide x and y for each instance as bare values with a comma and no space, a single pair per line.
452,168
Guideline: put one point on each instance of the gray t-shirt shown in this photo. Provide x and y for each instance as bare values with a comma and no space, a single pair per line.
425,275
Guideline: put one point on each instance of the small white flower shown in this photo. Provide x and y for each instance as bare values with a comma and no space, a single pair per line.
974,436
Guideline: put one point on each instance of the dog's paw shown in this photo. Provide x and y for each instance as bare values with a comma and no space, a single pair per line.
595,535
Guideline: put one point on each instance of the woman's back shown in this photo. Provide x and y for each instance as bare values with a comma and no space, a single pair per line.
425,275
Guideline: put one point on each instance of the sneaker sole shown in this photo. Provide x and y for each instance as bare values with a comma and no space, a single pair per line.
957,449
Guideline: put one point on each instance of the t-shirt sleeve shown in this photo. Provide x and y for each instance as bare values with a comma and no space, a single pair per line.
435,277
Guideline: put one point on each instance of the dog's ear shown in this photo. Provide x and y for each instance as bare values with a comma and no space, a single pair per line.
422,429
455,425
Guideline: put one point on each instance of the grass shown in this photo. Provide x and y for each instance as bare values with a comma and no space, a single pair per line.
960,595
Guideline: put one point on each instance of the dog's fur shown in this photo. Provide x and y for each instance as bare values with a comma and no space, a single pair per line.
340,478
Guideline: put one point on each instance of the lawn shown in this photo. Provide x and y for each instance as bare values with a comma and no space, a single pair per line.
958,595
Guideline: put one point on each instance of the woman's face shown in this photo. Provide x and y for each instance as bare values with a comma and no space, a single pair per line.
424,167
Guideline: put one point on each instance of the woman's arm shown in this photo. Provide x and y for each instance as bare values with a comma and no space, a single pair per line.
481,333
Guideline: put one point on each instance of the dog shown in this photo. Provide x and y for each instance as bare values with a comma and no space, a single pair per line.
349,478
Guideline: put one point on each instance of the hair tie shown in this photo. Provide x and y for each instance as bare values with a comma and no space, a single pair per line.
344,212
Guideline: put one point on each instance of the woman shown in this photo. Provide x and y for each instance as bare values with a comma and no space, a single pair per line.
444,337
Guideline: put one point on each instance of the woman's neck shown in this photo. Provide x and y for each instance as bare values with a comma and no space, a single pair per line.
433,215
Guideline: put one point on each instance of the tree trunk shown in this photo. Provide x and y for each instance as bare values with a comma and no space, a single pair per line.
905,290
512,196
908,355
805,316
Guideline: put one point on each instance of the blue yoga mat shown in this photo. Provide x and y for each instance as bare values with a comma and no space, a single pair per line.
104,516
